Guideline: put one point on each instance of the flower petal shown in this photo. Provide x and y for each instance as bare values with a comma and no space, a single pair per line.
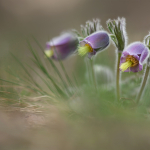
63,45
62,51
82,43
139,51
91,54
144,55
98,40
48,46
136,68
135,48
123,57
62,39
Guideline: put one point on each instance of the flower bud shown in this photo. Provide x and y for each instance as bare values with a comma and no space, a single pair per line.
60,47
147,43
133,57
118,32
95,42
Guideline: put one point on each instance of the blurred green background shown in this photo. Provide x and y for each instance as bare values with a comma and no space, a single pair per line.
20,19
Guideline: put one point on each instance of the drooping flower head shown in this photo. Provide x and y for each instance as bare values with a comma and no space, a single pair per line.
92,39
133,57
60,47
94,43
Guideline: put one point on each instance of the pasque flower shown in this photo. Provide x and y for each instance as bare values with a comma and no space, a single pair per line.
119,38
60,47
133,57
93,43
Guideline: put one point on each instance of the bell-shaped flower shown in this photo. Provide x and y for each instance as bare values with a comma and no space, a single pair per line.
133,57
61,47
94,43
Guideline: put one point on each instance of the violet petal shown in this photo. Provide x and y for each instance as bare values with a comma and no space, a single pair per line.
98,40
91,54
63,45
136,68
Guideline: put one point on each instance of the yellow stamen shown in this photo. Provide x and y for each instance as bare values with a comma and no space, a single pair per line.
49,53
84,50
124,66
133,60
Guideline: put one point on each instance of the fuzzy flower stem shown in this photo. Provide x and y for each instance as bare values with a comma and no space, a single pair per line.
93,74
118,36
118,77
143,83
88,69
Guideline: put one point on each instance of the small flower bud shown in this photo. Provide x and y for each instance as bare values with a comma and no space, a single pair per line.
60,47
147,43
95,42
89,28
133,57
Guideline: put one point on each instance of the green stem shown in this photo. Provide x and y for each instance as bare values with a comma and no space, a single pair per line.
93,74
118,77
88,69
143,83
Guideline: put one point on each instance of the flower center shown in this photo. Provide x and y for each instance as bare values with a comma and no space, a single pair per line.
85,49
130,62
49,53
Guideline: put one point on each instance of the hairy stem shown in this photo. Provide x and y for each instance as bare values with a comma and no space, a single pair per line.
118,77
88,70
93,74
145,77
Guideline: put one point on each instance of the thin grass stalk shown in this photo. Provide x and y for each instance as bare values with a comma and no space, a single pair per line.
66,74
57,72
52,64
27,81
145,78
40,65
59,90
26,71
40,77
76,85
14,83
76,82
31,80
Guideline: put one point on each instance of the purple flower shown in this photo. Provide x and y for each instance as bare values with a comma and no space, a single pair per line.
133,57
60,47
95,42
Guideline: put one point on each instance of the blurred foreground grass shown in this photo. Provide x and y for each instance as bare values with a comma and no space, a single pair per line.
85,121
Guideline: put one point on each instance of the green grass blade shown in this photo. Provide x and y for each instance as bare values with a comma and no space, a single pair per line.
41,78
26,71
76,82
52,64
41,91
44,70
28,87
66,75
